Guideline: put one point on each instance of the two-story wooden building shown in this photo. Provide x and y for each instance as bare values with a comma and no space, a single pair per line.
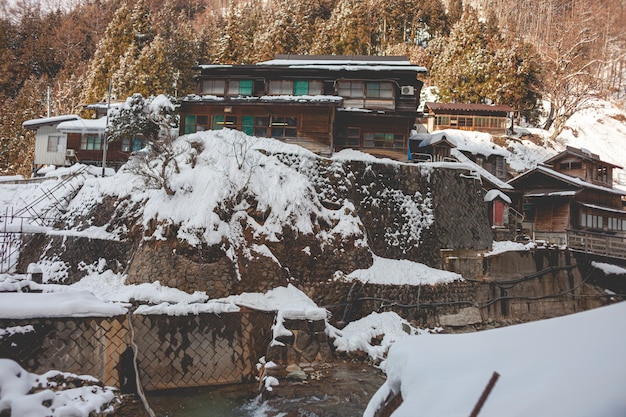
325,103
573,203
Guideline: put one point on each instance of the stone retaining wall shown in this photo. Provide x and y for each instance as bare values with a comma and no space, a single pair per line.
510,290
173,352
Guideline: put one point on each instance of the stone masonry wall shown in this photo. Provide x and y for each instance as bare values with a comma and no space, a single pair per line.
548,284
408,211
173,352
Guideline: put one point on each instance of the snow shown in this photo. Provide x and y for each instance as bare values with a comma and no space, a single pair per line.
609,269
83,126
401,272
66,304
569,366
24,394
34,123
493,194
507,245
358,335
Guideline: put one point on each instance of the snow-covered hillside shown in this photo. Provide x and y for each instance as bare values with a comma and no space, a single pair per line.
600,128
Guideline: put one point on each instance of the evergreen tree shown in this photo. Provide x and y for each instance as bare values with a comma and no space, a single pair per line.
119,36
348,31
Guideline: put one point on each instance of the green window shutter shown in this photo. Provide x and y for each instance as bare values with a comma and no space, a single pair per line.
190,124
301,87
247,125
245,87
218,122
137,144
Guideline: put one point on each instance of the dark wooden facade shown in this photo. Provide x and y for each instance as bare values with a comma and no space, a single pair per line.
558,205
487,118
585,165
321,102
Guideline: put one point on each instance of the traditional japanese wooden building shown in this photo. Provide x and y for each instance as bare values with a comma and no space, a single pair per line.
324,103
487,118
573,203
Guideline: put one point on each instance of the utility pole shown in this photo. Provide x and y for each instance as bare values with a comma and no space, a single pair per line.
105,140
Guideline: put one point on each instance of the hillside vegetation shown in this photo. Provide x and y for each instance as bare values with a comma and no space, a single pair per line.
61,58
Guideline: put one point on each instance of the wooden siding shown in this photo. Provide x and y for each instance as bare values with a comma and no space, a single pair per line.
314,122
552,215
115,156
42,156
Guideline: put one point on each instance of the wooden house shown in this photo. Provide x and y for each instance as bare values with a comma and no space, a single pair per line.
568,210
325,103
85,139
440,146
50,144
487,118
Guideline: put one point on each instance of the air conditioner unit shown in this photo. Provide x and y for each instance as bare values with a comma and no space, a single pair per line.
69,153
407,90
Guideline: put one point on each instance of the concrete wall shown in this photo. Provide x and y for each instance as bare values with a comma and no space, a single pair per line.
173,352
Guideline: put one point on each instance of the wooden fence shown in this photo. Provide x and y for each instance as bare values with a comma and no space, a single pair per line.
597,244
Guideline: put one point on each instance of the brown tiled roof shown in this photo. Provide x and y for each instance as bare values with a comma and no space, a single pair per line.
468,107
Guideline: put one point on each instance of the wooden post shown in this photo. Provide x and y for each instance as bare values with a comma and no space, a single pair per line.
485,394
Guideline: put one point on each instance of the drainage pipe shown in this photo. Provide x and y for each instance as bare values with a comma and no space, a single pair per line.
137,379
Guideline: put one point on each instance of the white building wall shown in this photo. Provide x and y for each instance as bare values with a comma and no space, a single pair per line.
42,156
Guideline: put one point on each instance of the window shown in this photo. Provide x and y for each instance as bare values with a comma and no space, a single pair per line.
125,145
379,90
383,140
616,224
220,122
247,125
196,123
281,87
240,88
190,124
443,120
90,143
591,221
306,87
284,127
353,136
137,144
56,144
213,87
350,89
261,124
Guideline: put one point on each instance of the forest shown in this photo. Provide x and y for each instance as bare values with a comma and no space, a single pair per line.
59,56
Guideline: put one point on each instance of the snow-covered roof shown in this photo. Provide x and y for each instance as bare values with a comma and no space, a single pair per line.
316,99
35,123
581,153
575,181
477,144
481,171
608,209
547,193
495,193
83,126
345,63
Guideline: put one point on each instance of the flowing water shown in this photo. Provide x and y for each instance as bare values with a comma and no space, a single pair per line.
343,391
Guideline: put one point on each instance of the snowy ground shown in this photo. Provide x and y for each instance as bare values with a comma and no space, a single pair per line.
569,366
23,394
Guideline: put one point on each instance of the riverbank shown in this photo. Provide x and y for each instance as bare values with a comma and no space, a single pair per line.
338,389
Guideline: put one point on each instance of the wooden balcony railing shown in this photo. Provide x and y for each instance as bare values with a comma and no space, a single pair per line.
597,243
